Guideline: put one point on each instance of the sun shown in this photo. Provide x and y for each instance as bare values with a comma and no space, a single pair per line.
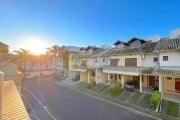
35,45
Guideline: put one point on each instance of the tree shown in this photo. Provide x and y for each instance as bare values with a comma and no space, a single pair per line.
21,58
56,51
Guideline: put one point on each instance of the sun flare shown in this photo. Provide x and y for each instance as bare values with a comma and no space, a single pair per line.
35,45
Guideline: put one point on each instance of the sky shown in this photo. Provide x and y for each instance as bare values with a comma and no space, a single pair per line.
84,22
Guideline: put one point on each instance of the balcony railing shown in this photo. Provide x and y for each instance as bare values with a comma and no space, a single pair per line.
139,70
79,67
168,70
122,68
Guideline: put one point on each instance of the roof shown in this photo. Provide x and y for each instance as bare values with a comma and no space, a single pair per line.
12,105
135,38
168,44
147,47
119,41
101,52
1,43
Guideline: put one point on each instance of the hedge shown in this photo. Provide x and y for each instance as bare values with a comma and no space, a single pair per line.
115,88
155,98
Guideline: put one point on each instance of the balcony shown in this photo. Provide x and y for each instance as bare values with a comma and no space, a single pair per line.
122,70
167,70
127,70
79,68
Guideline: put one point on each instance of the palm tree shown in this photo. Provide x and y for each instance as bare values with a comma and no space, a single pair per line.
57,52
21,59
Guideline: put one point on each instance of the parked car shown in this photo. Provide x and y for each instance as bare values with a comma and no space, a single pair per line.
130,85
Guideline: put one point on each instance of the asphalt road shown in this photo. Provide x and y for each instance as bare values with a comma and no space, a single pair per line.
52,101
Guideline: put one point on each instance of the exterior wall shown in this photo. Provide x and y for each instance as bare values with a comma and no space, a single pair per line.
168,85
145,81
173,58
148,61
128,78
92,62
92,78
83,76
118,80
122,59
103,77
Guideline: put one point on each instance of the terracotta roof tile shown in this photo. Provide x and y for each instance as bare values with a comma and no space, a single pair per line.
12,105
168,44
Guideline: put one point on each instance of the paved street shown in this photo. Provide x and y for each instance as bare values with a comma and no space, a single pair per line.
51,101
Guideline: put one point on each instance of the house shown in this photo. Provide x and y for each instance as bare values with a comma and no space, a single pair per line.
95,64
80,67
168,68
133,61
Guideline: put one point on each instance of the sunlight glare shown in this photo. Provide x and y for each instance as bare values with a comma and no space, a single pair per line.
35,45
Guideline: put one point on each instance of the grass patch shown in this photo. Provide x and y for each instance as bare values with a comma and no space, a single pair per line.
172,109
124,96
145,102
114,95
105,92
134,98
102,89
82,86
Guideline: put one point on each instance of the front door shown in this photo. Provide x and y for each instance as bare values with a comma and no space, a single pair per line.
177,84
152,81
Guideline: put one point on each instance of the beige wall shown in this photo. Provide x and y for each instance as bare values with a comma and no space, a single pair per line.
103,77
128,78
145,81
83,76
168,85
122,59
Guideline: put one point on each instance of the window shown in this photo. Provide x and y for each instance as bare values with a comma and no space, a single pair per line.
165,58
130,61
155,59
114,62
136,44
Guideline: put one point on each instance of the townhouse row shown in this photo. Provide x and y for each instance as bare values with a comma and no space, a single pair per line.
150,64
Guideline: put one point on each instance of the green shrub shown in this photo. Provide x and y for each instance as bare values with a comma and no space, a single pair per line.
155,98
115,88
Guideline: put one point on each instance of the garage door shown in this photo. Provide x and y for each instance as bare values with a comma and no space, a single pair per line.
177,84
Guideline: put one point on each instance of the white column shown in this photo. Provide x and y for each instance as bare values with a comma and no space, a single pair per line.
88,77
160,84
122,81
140,86
99,78
108,78
96,76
